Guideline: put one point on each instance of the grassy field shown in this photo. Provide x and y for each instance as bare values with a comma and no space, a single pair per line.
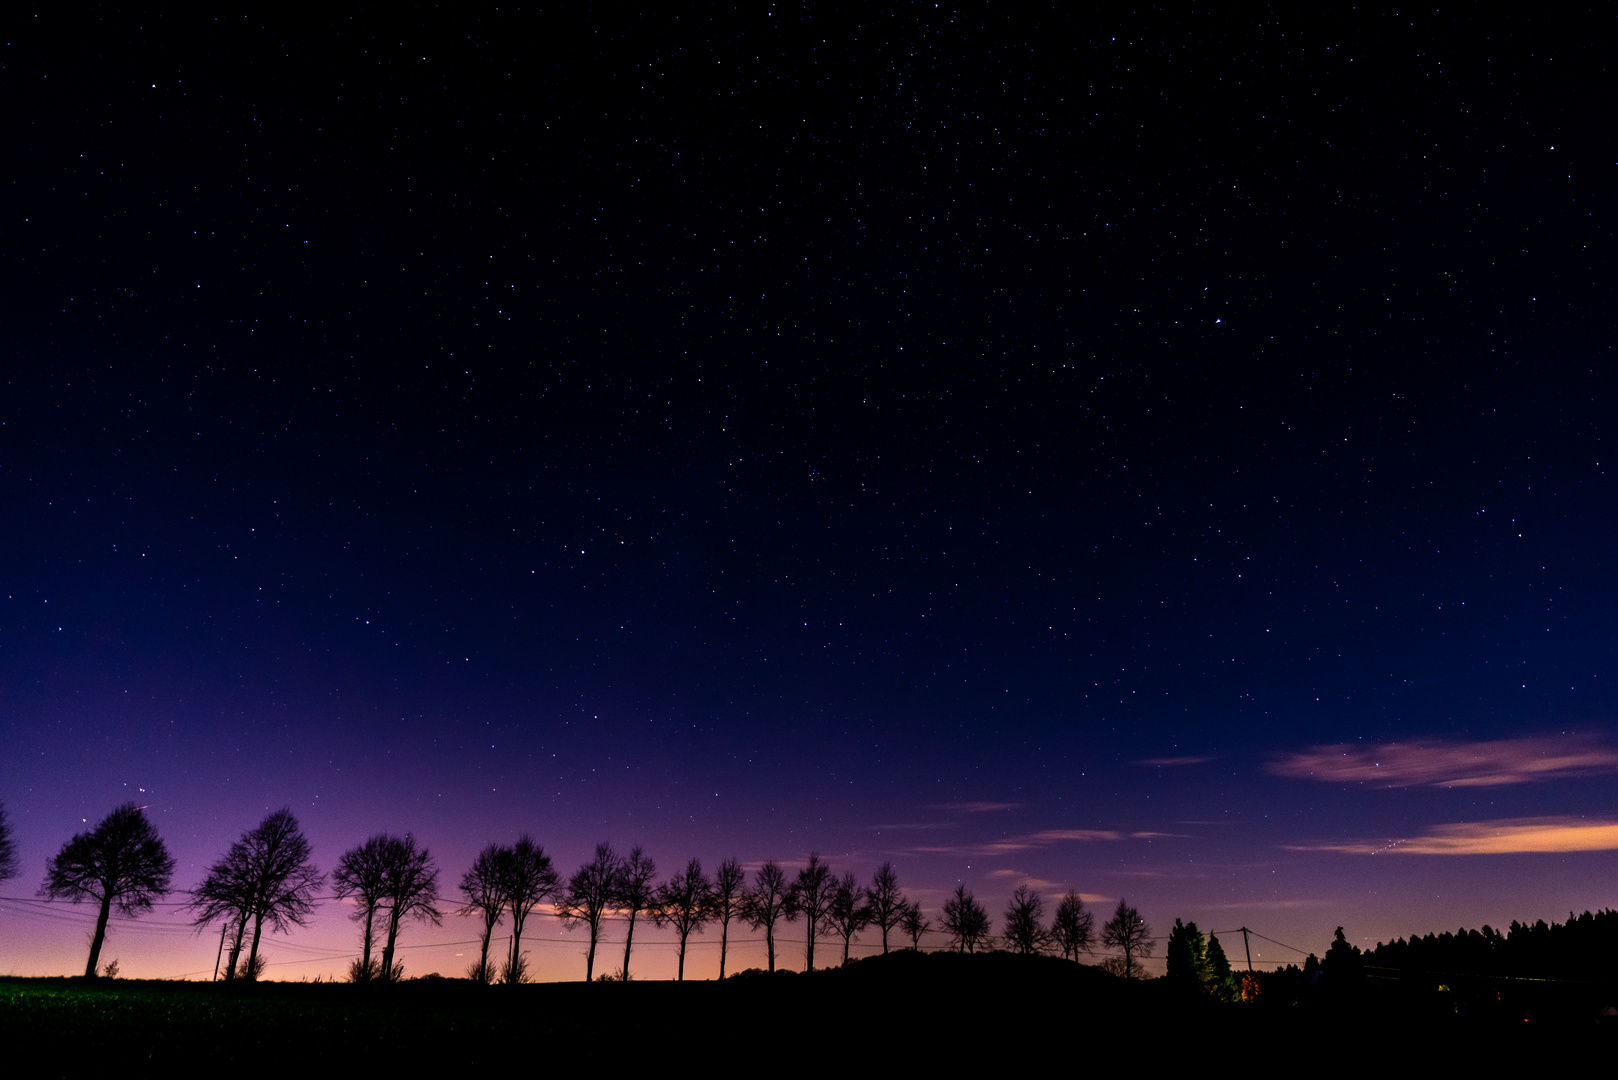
919,1012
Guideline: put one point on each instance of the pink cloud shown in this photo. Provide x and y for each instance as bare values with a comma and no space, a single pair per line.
1436,763
1506,836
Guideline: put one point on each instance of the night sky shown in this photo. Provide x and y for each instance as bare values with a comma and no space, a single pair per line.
1165,456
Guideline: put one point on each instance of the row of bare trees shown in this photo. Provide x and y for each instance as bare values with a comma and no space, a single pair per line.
268,878
514,880
267,875
1071,931
690,901
391,879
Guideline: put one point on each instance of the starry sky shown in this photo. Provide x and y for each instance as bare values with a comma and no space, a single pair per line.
1160,455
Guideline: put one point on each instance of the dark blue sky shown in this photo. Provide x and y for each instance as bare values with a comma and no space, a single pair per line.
1007,445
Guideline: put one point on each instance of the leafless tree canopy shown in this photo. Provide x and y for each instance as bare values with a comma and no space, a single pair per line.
121,864
529,880
685,902
411,889
635,893
1122,968
590,894
392,873
915,924
811,896
849,913
266,875
1074,929
966,921
886,903
484,887
226,895
729,893
1127,931
1025,930
8,847
362,873
768,904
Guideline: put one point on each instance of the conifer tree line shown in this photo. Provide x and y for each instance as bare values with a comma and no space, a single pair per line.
1200,965
1583,949
268,878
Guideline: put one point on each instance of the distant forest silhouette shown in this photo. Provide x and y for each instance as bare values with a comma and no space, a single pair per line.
1582,949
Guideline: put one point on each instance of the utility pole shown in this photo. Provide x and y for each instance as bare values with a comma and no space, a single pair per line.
223,930
1248,948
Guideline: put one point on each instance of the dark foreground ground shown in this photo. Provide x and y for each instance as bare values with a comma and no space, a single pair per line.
911,1011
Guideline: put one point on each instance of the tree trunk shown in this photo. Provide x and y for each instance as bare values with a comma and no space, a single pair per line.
252,956
100,936
769,944
236,948
590,957
517,919
387,949
681,976
365,958
628,940
483,956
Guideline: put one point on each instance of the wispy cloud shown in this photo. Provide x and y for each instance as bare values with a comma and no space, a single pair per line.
976,807
1173,760
1022,878
926,826
1026,842
1053,890
1273,905
1051,836
1436,763
1506,836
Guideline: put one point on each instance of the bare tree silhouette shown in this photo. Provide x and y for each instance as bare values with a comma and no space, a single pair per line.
412,893
530,880
1074,928
589,896
121,864
887,904
226,895
767,904
849,913
362,873
966,921
1126,930
267,874
1025,928
484,887
635,893
685,902
8,847
811,896
729,901
915,924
